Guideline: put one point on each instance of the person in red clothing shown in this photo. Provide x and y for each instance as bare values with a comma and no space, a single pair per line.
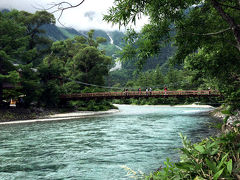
165,90
139,91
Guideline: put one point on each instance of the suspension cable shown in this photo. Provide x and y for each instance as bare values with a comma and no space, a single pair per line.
108,87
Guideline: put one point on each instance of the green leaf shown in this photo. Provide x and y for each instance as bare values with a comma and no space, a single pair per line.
200,148
214,151
222,161
225,119
229,166
211,165
186,152
227,112
216,176
185,165
212,144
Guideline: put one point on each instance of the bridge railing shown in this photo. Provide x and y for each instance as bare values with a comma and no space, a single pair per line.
141,93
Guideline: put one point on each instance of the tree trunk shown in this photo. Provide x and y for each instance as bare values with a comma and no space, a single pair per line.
233,25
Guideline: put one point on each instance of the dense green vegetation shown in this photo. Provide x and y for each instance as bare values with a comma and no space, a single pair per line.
36,70
173,79
206,35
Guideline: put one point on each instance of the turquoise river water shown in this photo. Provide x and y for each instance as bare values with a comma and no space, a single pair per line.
139,137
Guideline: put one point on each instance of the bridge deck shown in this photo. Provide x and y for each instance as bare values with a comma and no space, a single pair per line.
136,94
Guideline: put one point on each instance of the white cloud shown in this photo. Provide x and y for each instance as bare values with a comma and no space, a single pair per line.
87,16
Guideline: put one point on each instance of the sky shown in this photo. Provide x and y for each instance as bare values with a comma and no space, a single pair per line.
87,16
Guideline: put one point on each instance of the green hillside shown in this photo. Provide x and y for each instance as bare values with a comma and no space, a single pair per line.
112,47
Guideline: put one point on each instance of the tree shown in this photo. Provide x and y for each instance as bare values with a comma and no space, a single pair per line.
35,42
12,43
163,13
30,84
206,34
83,62
51,73
158,78
21,42
88,65
91,62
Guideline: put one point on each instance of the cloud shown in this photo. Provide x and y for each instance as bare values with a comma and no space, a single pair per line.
90,15
87,16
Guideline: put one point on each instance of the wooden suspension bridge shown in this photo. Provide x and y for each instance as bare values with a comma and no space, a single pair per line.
138,94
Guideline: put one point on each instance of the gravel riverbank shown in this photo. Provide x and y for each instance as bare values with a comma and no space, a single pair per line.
14,116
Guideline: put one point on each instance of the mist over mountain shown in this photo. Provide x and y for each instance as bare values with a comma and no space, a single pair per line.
58,33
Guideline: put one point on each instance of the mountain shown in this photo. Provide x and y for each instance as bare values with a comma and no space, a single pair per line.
114,43
111,46
57,33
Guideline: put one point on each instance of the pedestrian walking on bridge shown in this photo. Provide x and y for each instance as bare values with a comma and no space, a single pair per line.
150,91
165,90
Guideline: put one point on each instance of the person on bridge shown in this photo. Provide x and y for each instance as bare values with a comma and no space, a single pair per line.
147,91
127,92
150,91
209,90
165,90
139,91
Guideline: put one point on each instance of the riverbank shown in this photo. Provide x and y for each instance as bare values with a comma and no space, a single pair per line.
15,116
229,121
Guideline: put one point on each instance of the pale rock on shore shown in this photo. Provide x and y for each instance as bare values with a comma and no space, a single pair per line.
231,121
64,116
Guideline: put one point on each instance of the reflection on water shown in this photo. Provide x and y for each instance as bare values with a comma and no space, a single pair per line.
140,137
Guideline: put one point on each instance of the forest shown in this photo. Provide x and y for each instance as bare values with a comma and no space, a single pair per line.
204,35
36,70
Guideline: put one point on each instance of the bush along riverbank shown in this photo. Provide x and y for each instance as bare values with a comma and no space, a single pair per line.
212,159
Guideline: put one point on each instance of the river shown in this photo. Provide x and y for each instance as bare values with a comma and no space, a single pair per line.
139,137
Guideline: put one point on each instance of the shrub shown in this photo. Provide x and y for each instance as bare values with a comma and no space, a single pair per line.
213,158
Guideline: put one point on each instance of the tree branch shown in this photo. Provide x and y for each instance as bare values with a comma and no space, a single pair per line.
232,7
214,33
232,23
61,7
